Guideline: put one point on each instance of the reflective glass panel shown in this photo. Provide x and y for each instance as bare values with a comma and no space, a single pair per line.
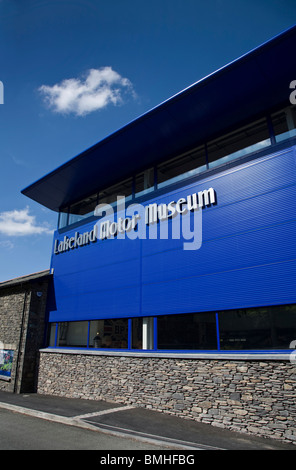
110,194
144,182
258,328
73,334
284,123
181,167
241,142
82,209
188,331
109,333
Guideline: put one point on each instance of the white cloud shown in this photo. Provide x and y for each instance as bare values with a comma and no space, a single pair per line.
6,244
20,223
99,88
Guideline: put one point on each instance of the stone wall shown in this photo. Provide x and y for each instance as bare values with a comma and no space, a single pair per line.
13,315
255,397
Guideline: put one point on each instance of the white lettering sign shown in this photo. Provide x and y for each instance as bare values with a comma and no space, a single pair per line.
68,243
137,218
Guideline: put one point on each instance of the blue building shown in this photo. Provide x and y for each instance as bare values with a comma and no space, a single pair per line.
197,258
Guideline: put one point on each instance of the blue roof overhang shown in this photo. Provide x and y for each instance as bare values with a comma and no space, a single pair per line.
255,83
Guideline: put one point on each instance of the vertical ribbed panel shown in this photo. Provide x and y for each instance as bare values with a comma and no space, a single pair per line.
247,257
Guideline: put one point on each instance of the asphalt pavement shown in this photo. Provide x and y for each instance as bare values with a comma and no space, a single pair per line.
139,423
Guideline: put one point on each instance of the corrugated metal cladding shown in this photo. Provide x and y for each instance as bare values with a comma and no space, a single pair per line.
247,257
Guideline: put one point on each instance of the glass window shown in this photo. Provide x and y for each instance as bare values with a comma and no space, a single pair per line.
245,329
52,334
284,123
181,167
137,333
109,334
258,328
144,182
188,331
148,329
109,195
96,330
73,334
82,209
283,326
243,141
63,218
143,333
263,328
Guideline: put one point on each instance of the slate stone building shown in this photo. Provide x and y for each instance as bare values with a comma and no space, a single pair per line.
22,327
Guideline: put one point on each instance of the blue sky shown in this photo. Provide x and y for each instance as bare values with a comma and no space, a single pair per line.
74,71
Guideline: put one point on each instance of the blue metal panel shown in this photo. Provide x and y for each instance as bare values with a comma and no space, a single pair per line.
97,281
247,257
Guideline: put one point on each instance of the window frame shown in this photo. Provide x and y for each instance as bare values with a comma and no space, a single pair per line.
153,334
203,170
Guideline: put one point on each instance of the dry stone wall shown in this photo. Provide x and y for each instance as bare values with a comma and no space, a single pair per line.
255,397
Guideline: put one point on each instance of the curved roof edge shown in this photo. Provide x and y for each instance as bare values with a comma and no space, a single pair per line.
255,82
